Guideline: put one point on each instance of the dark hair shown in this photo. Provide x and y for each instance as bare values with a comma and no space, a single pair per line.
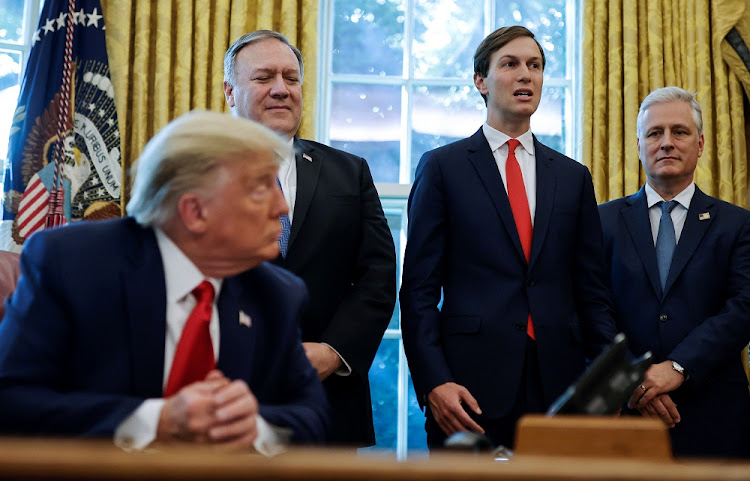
494,42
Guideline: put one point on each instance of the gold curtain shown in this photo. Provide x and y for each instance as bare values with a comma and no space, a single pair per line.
166,58
634,47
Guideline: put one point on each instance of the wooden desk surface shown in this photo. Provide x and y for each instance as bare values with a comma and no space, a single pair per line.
29,459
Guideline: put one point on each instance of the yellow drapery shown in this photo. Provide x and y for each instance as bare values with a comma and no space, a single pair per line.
166,58
634,47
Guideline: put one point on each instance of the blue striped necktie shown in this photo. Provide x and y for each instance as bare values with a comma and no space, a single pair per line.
286,228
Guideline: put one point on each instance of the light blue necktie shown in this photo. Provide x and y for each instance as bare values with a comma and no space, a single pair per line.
665,240
286,228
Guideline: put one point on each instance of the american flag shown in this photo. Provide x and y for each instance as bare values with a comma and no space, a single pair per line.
64,140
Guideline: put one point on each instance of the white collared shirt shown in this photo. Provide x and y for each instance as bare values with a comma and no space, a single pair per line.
288,179
525,156
181,276
678,214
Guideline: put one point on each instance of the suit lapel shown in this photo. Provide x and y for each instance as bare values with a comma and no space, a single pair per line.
237,339
308,172
143,283
692,234
635,215
545,193
480,156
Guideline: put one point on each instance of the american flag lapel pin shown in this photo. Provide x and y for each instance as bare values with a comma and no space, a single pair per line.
245,319
704,216
307,157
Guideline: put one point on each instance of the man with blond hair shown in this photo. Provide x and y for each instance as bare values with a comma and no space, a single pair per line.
167,326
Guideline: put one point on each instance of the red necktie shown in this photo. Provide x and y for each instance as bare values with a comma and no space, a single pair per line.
194,356
519,204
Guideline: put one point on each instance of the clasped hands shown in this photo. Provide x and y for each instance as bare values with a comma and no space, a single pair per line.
214,411
651,397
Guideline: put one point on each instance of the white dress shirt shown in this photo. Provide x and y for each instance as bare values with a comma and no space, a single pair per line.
678,214
288,180
525,156
181,277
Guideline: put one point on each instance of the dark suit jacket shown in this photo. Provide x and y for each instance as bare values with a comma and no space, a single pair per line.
82,342
702,320
462,239
341,246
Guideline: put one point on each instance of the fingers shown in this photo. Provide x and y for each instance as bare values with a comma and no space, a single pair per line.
672,407
447,408
671,410
235,416
235,401
240,433
188,414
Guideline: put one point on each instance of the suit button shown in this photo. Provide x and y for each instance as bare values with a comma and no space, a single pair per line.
530,283
663,317
520,326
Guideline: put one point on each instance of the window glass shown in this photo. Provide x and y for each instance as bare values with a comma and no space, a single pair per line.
11,21
446,33
369,37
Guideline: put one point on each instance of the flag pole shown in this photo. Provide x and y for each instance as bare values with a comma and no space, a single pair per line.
55,215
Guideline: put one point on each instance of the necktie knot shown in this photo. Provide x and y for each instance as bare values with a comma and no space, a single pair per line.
668,207
204,294
512,144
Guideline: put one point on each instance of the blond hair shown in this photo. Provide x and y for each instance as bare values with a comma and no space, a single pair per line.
179,158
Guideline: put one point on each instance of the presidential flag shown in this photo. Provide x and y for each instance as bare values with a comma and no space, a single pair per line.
64,150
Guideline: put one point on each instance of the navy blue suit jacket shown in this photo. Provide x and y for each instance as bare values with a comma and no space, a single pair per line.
701,320
82,341
462,239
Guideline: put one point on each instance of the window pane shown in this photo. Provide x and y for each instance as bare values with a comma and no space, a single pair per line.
366,121
11,21
441,115
446,33
395,211
547,20
384,389
368,37
548,122
10,79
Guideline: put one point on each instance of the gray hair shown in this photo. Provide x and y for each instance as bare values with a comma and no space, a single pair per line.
670,94
179,158
231,56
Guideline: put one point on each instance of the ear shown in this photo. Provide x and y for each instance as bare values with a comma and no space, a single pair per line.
480,83
191,210
229,93
700,145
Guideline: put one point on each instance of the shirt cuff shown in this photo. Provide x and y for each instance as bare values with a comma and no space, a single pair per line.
345,369
271,440
139,429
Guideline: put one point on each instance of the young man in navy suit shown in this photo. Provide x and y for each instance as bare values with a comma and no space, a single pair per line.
680,267
168,326
337,238
507,230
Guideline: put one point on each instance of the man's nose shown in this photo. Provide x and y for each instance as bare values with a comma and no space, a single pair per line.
278,87
667,142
